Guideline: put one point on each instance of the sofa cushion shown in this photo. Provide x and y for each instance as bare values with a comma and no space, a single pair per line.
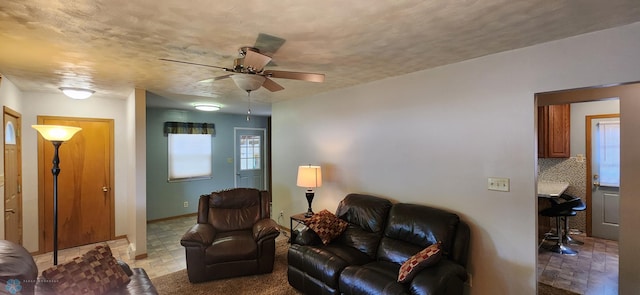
412,228
95,272
421,260
378,277
367,216
232,246
324,262
326,225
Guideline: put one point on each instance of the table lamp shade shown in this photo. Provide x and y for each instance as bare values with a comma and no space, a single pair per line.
309,176
56,132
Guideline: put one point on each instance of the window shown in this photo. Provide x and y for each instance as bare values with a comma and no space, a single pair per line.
189,156
609,153
250,147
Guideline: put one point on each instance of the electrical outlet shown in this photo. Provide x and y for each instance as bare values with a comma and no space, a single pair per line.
281,213
186,204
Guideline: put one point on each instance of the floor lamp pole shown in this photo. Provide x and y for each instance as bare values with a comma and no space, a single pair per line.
55,171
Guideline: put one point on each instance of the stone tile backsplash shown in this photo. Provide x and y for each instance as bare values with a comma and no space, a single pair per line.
572,170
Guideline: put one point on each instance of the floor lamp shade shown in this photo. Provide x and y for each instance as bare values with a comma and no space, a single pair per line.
56,132
57,135
309,177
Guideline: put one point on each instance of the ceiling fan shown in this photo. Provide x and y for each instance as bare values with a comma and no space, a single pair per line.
249,73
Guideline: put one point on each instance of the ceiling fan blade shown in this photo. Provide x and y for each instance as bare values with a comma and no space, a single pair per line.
268,44
255,60
311,77
222,77
271,85
193,63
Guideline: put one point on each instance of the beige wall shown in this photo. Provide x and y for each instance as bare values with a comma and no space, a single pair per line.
433,137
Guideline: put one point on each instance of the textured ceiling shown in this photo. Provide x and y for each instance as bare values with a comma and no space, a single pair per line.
112,46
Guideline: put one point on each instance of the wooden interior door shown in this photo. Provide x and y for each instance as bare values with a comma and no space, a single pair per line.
12,176
85,194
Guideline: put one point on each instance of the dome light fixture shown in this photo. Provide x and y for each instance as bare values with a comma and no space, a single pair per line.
76,93
206,107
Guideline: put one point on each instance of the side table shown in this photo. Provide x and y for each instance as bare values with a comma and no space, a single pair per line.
298,219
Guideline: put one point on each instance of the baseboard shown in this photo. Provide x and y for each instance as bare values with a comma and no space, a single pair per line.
172,217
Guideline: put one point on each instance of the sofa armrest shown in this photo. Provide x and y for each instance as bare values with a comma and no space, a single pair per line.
265,228
199,235
306,237
446,277
125,267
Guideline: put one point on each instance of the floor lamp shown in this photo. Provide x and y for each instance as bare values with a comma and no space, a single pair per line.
56,135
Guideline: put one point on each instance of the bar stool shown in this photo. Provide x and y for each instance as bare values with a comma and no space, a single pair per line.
580,207
560,210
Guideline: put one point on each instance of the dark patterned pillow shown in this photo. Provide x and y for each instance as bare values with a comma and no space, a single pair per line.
427,257
326,225
95,272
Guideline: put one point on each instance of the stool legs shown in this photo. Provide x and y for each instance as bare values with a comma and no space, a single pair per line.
566,236
559,247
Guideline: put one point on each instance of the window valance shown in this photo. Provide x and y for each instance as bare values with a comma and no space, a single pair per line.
189,128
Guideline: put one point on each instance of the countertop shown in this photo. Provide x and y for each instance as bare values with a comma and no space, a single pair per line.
551,189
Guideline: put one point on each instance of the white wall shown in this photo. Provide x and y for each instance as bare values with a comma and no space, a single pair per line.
46,104
137,173
10,96
578,113
433,137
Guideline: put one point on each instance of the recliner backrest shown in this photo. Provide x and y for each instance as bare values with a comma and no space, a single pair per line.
412,227
367,216
234,209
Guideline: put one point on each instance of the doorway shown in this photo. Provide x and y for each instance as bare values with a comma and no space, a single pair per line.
12,123
85,184
603,176
250,157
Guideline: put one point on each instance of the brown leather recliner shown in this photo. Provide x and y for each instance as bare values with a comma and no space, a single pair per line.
234,236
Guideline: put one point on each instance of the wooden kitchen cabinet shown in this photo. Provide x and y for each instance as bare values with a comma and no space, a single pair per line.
554,131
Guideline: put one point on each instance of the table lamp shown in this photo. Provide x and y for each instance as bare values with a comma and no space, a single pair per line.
309,177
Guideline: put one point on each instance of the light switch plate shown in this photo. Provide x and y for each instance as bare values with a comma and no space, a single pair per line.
498,184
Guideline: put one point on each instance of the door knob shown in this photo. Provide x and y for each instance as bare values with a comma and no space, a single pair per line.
596,182
105,189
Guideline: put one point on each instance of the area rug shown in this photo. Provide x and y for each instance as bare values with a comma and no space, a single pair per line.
544,289
273,283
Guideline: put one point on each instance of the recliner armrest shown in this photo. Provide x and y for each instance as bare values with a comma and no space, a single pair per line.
199,235
265,228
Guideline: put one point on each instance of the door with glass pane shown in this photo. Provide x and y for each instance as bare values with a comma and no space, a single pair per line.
250,157
605,177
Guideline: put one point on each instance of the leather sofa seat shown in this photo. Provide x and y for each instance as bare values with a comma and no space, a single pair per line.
315,269
379,239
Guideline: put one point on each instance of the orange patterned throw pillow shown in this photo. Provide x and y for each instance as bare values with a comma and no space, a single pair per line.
427,257
326,225
95,272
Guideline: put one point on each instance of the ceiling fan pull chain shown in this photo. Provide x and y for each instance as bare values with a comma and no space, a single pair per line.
248,105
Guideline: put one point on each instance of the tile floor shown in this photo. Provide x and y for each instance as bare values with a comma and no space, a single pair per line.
164,252
594,271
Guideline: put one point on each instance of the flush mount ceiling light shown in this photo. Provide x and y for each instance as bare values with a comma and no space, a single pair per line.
77,93
206,107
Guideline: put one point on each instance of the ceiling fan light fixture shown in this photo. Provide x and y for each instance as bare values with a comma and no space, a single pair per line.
76,93
248,82
206,107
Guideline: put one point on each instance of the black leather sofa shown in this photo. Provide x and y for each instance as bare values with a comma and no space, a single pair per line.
366,258
17,264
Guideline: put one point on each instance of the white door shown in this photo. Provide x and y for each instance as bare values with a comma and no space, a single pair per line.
605,177
250,157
